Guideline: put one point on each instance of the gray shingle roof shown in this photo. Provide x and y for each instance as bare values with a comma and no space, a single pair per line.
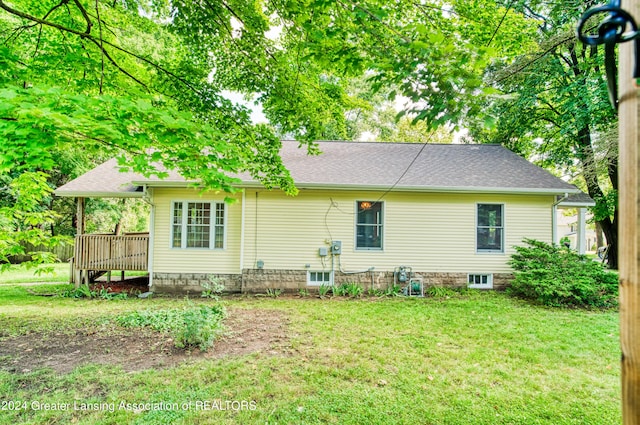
373,165
104,181
576,200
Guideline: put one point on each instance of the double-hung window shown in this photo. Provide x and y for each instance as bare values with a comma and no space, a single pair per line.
369,225
490,228
198,225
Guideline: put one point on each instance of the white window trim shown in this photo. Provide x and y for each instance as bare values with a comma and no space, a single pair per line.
488,285
212,225
355,227
504,229
310,283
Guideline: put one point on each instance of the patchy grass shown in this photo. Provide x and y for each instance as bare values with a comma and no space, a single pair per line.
477,358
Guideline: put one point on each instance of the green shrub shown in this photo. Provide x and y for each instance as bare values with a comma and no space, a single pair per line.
557,276
190,327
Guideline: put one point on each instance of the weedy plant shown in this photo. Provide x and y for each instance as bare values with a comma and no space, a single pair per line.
274,293
84,291
348,289
353,289
340,290
303,292
375,292
393,291
324,289
193,326
441,292
212,289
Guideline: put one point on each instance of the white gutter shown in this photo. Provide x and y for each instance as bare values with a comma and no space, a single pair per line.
577,204
165,183
242,218
439,189
148,198
86,194
364,187
554,219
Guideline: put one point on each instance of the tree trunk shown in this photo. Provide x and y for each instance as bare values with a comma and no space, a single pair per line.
611,233
587,157
599,236
118,228
590,174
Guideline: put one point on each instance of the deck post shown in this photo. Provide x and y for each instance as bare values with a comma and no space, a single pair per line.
629,229
80,217
76,274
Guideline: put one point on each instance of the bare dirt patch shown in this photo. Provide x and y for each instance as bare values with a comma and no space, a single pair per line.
247,331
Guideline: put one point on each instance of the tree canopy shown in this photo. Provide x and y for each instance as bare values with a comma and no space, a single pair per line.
143,80
554,107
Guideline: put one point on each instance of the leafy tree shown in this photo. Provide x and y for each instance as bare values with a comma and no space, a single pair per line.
142,80
554,107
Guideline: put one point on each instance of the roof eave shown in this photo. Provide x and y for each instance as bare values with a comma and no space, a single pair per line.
89,194
577,204
438,189
329,186
164,183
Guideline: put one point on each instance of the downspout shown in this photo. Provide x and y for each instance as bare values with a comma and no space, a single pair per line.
554,219
148,198
242,225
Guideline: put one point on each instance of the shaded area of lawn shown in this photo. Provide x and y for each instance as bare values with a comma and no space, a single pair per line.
51,273
479,358
58,273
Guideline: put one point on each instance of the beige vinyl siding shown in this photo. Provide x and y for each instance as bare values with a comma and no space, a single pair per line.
194,260
429,232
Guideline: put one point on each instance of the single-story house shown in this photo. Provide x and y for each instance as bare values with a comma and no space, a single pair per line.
366,211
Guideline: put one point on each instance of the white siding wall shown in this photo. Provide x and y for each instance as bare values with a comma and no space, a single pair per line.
429,232
176,260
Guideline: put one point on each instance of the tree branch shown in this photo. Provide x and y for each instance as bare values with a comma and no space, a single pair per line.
101,48
85,16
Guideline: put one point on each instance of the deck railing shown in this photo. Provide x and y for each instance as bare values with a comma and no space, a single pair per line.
111,252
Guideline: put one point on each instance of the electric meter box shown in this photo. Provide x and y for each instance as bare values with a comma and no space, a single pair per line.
336,247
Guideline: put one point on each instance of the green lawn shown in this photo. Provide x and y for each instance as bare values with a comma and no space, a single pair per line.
477,358
58,272
53,273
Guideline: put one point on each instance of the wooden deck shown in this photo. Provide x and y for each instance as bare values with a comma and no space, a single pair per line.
104,253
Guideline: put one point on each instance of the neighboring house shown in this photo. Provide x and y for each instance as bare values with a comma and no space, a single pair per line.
569,227
452,213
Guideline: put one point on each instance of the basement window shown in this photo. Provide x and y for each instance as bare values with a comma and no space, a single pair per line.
318,278
480,281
